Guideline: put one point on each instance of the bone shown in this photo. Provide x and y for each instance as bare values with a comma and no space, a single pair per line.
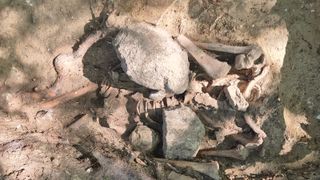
210,169
206,99
253,83
248,143
213,67
225,123
257,68
239,153
246,55
235,98
68,96
254,126
71,63
225,81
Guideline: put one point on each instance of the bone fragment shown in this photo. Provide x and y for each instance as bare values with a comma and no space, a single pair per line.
254,126
235,98
223,81
68,96
253,83
240,153
225,123
213,67
210,169
246,55
206,99
248,143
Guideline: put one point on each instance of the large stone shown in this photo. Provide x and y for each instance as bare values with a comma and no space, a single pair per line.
144,139
182,133
151,58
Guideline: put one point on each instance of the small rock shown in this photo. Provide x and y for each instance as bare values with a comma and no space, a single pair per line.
144,139
151,58
182,133
235,98
318,117
175,176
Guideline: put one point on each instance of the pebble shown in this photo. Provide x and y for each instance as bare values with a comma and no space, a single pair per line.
144,139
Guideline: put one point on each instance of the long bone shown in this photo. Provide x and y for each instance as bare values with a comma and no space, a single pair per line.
246,55
240,153
210,169
212,66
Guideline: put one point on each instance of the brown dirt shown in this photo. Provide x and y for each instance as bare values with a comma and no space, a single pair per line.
46,146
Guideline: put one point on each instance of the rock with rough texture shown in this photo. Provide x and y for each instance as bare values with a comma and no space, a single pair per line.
151,58
144,139
182,133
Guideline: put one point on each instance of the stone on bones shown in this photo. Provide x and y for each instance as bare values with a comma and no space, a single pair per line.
182,133
151,58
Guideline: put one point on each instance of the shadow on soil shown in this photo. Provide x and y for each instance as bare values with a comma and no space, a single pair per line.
299,86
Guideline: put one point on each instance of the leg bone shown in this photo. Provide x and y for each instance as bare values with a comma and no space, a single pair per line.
213,67
240,153
246,55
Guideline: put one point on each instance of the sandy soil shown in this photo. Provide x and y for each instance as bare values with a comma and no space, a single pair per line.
49,146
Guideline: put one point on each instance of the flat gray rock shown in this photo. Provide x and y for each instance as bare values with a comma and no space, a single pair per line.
151,58
182,133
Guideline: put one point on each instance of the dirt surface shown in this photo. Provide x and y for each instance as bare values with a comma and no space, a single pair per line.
87,137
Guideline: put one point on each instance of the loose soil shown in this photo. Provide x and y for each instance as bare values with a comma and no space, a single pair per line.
84,139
